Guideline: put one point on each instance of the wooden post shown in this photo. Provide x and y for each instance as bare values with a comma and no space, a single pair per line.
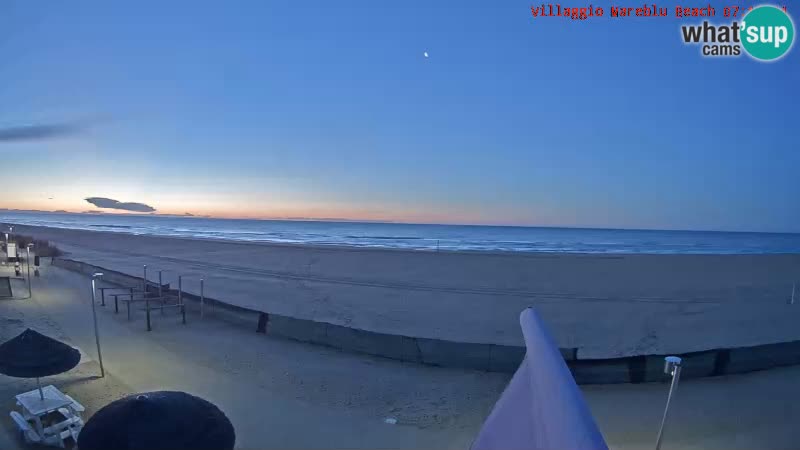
263,318
180,299
129,308
794,285
144,280
202,298
147,307
102,297
160,292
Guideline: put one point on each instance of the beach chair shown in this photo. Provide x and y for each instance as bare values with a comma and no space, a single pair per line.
29,435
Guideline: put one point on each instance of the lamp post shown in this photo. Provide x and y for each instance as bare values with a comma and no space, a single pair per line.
95,276
672,367
28,262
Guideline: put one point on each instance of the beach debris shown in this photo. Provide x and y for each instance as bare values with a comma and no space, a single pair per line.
390,421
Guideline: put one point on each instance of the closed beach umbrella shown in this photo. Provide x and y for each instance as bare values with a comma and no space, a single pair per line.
542,407
34,355
158,420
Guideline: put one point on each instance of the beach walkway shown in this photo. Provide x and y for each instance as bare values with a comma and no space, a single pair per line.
280,393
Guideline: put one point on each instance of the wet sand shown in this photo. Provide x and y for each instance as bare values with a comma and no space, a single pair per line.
603,305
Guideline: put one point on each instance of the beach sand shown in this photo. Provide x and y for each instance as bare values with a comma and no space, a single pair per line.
280,393
604,305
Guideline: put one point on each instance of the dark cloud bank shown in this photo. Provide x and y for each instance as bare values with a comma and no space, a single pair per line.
110,203
39,132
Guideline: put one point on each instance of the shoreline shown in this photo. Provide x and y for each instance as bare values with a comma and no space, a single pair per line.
635,369
605,306
343,246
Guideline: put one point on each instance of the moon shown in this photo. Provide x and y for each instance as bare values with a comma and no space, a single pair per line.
425,54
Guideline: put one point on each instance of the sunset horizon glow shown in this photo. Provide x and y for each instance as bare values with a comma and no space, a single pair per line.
322,111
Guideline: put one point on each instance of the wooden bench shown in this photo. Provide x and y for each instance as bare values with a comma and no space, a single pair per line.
25,429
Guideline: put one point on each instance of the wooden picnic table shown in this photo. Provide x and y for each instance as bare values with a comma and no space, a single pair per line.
35,408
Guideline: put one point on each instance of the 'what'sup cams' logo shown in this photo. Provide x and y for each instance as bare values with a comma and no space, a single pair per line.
765,33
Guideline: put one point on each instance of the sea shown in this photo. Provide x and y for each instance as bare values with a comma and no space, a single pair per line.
423,237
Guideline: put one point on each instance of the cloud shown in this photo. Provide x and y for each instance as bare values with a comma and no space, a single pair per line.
109,203
39,132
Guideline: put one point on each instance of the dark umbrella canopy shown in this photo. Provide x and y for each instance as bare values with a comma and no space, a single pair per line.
34,355
158,420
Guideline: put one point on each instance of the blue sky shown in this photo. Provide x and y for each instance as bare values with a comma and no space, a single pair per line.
330,109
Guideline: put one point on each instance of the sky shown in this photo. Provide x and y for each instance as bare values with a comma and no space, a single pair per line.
330,109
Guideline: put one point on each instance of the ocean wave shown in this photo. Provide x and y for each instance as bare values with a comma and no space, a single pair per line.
110,226
393,238
426,237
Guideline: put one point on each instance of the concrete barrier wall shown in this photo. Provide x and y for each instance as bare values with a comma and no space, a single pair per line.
487,357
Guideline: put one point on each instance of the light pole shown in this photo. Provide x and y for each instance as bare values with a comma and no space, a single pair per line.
672,367
28,261
95,276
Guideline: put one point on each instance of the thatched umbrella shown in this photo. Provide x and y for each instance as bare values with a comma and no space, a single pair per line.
158,420
34,355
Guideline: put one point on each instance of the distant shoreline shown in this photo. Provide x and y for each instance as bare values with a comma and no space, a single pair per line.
101,213
345,247
425,238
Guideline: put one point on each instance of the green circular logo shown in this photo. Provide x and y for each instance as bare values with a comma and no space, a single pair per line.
767,33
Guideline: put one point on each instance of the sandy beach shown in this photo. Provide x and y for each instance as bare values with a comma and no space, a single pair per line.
274,390
280,393
604,305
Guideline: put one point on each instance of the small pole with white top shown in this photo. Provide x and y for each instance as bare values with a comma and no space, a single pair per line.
160,290
672,367
95,276
180,298
28,263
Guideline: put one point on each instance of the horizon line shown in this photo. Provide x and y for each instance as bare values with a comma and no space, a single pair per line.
380,221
